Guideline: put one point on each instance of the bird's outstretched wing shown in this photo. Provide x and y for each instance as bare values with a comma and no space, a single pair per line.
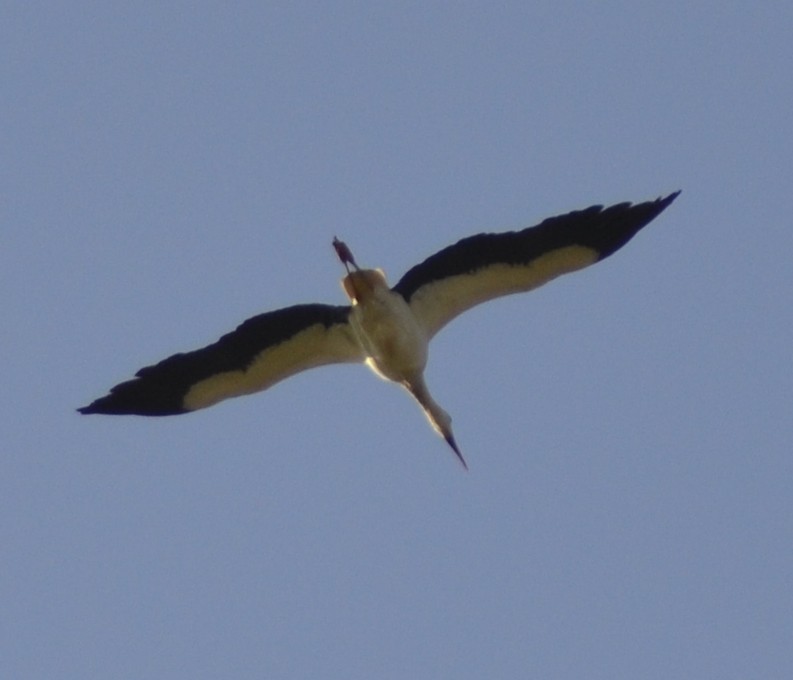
485,266
260,352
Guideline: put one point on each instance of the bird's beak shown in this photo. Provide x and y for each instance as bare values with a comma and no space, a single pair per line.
450,441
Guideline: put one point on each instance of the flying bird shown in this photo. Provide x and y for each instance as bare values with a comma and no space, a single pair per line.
388,329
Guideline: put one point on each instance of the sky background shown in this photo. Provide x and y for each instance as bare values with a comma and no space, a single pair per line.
171,169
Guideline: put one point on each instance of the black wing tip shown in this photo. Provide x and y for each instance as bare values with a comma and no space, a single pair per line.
621,222
113,410
136,399
103,405
660,204
664,201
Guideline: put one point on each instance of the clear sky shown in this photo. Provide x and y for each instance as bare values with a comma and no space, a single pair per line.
170,169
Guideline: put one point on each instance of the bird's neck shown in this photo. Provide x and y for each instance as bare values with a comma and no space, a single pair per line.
439,419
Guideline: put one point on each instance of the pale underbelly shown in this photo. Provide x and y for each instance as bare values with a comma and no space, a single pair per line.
395,345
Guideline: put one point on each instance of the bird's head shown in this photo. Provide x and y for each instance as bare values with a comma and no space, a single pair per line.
442,423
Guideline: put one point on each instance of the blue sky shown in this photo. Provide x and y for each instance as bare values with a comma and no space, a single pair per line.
170,169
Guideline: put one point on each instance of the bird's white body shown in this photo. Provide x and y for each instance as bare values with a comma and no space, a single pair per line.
389,329
395,345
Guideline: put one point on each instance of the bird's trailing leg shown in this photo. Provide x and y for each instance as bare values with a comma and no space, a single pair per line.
345,254
349,281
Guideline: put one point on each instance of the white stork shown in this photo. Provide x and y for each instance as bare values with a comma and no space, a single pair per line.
387,328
